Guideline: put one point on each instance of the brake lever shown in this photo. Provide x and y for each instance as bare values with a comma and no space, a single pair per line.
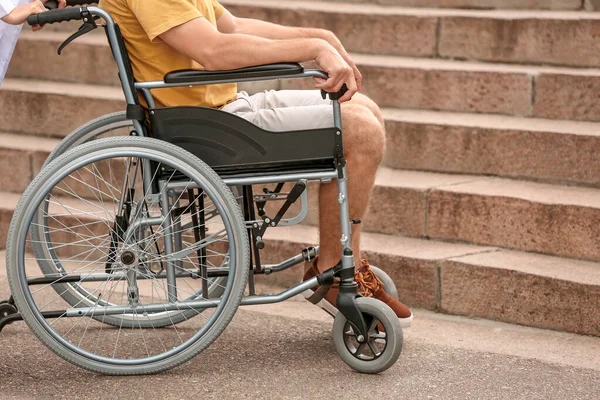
335,96
88,26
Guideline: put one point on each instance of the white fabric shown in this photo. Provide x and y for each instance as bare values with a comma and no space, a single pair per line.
9,34
284,110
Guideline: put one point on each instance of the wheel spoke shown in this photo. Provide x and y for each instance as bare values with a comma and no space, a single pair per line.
358,351
375,353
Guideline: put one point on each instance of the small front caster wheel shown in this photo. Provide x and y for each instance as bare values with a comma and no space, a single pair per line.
7,309
383,344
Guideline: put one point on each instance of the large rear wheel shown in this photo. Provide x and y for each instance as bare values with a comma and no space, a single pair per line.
110,125
108,262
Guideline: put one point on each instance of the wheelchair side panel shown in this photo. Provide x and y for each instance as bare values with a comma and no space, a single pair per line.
230,144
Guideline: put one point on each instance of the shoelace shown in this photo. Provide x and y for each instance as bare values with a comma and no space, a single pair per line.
368,282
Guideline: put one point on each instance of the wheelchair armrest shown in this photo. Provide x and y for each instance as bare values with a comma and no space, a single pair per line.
191,76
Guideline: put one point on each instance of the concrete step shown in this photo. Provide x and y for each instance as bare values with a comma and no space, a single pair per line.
484,144
46,108
547,37
87,60
485,282
21,157
478,4
399,82
515,214
543,218
521,36
474,87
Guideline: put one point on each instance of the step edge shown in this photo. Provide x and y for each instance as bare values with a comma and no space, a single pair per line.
578,271
454,65
492,186
303,235
96,92
24,142
423,12
490,121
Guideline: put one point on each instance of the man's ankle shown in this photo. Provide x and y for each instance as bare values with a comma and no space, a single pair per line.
324,266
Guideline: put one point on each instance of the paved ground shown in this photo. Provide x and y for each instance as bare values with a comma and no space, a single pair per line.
285,351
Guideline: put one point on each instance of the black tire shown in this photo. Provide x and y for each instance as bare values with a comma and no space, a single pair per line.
90,131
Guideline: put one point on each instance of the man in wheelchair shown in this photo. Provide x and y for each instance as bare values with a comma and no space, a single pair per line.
164,36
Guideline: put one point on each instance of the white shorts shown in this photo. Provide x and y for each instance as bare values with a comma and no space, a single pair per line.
284,110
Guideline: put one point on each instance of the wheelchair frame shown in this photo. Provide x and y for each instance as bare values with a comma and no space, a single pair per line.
344,270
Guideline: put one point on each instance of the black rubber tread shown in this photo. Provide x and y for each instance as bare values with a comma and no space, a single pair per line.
72,138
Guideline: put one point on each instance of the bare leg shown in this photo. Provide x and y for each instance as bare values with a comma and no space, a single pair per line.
364,147
363,100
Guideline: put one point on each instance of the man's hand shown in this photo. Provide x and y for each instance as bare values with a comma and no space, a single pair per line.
335,42
227,23
61,4
339,71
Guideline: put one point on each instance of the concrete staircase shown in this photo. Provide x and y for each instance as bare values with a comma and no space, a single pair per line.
488,204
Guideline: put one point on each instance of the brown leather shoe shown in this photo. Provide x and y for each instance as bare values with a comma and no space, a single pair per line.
369,285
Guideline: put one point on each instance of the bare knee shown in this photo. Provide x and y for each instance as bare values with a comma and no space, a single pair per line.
364,101
364,137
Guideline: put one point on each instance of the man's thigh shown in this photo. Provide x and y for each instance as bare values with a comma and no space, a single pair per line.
284,110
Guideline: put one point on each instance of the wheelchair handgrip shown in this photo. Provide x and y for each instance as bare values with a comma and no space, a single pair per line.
54,16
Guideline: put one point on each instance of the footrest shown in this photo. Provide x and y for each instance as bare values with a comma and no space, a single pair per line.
326,280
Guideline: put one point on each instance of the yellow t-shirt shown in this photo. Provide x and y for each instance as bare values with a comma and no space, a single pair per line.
141,22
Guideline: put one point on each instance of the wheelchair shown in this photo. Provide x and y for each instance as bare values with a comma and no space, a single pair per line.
132,249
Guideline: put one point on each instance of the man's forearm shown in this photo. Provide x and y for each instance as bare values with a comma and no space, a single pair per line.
224,49
239,51
228,24
220,51
269,30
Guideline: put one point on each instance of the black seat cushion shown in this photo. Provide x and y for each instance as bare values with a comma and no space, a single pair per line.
259,71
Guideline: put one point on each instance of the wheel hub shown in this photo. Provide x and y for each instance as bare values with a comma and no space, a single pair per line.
128,258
